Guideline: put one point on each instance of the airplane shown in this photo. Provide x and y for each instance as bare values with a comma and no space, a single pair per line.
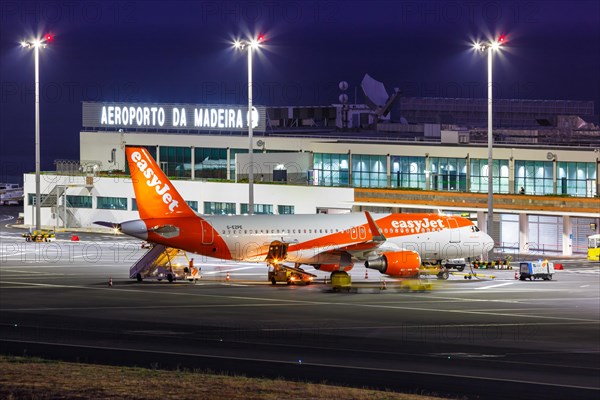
393,244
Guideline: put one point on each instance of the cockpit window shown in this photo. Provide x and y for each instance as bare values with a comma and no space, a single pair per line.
474,228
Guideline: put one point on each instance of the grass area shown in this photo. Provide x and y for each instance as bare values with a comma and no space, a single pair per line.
34,378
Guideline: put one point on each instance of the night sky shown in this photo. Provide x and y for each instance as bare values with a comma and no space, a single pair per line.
181,52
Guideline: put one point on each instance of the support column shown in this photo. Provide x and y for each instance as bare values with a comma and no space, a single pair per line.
388,170
468,177
481,220
228,169
511,175
523,233
193,162
427,173
567,236
349,168
554,171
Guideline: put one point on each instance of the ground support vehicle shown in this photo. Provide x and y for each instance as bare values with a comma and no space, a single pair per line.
594,248
39,236
536,270
340,280
289,275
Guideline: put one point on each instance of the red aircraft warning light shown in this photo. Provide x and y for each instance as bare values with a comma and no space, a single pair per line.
49,37
502,39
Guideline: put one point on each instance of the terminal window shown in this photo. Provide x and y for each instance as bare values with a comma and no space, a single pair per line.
258,208
79,201
111,203
218,208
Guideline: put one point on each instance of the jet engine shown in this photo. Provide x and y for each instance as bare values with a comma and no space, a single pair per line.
397,263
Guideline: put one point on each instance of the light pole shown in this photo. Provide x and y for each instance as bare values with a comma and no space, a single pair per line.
36,44
490,48
251,45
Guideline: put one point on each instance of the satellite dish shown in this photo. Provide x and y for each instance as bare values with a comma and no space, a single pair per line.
343,98
550,156
343,85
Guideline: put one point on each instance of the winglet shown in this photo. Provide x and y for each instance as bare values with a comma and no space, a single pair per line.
375,230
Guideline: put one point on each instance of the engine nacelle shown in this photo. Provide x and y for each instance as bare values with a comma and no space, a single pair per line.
397,263
332,267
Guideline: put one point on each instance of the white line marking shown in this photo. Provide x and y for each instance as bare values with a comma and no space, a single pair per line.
494,286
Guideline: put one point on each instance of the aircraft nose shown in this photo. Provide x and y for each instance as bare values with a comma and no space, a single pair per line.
488,242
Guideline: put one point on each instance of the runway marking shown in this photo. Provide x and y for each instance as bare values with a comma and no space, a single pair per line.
360,368
288,301
494,286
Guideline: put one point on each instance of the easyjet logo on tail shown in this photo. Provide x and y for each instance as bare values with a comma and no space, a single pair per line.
153,181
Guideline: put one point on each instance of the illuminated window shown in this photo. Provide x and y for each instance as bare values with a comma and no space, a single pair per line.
536,177
576,178
408,172
369,170
330,169
479,175
448,174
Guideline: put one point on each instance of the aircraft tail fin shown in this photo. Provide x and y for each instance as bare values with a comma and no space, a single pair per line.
155,194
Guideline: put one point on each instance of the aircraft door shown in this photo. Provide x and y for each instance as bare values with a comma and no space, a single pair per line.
207,232
454,231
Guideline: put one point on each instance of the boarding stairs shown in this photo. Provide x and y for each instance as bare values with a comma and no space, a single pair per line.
63,211
160,262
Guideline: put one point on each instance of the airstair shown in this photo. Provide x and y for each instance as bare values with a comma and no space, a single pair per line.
161,262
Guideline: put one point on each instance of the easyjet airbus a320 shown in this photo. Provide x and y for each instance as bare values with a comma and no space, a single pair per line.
393,244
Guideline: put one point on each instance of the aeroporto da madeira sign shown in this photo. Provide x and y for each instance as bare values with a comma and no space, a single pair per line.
170,116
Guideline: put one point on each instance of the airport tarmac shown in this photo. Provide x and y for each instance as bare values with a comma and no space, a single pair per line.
484,338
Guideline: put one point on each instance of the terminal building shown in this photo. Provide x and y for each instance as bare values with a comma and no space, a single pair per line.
343,158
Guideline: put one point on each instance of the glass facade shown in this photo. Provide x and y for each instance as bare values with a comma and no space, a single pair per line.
176,161
281,209
330,169
210,163
258,208
408,172
536,177
442,173
111,203
31,198
79,201
213,207
576,178
479,175
448,174
369,171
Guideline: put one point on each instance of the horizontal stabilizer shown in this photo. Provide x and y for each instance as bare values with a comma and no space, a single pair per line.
108,224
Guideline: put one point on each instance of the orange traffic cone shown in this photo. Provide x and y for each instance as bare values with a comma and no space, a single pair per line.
110,282
227,277
366,274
